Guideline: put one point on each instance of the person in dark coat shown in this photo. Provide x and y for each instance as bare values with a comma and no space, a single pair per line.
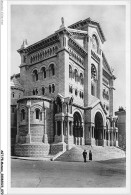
90,155
84,155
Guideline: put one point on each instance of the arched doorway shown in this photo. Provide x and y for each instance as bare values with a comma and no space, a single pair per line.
77,128
98,133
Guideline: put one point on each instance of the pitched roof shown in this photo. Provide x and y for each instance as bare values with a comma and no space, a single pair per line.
81,23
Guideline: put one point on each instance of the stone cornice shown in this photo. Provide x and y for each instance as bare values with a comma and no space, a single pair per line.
35,98
50,40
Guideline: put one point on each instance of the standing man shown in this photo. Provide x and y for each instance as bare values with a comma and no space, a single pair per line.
84,155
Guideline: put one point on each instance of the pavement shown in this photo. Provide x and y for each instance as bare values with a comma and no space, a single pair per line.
38,174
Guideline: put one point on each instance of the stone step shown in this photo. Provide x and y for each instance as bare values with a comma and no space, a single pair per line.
98,153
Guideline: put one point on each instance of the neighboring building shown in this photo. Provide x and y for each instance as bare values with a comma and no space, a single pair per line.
121,124
68,92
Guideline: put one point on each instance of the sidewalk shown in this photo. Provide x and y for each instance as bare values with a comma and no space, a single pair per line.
48,158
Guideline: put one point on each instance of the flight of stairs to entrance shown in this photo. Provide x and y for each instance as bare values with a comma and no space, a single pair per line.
98,153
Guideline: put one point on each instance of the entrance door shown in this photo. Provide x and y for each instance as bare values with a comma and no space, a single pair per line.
98,133
77,128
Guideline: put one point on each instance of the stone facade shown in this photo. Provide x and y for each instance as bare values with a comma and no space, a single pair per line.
67,92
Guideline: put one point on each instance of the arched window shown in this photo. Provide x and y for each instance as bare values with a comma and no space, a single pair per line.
43,91
70,71
76,75
51,70
53,88
22,114
35,75
37,111
93,71
95,44
81,79
43,70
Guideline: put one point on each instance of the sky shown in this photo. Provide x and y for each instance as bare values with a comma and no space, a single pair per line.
36,22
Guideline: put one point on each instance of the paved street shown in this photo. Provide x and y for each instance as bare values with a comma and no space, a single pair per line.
37,174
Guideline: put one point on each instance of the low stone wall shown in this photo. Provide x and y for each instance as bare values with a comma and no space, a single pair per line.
58,147
32,150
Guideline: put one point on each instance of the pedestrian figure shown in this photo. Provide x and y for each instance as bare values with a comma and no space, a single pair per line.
84,155
90,155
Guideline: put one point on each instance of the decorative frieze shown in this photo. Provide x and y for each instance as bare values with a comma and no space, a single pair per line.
43,54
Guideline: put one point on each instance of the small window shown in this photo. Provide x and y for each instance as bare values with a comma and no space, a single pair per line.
37,113
52,70
43,72
22,114
76,92
43,91
53,88
13,94
33,92
49,88
70,72
35,75
80,94
76,75
81,79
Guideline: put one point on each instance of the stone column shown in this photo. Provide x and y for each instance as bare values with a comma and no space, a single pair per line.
18,119
55,127
90,132
68,131
45,137
83,139
28,137
93,132
29,120
62,135
108,138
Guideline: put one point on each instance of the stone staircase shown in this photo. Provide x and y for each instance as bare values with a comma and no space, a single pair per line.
98,153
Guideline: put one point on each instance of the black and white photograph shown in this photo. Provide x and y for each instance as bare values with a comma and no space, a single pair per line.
68,93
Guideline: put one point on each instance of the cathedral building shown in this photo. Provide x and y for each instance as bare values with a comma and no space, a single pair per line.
63,95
